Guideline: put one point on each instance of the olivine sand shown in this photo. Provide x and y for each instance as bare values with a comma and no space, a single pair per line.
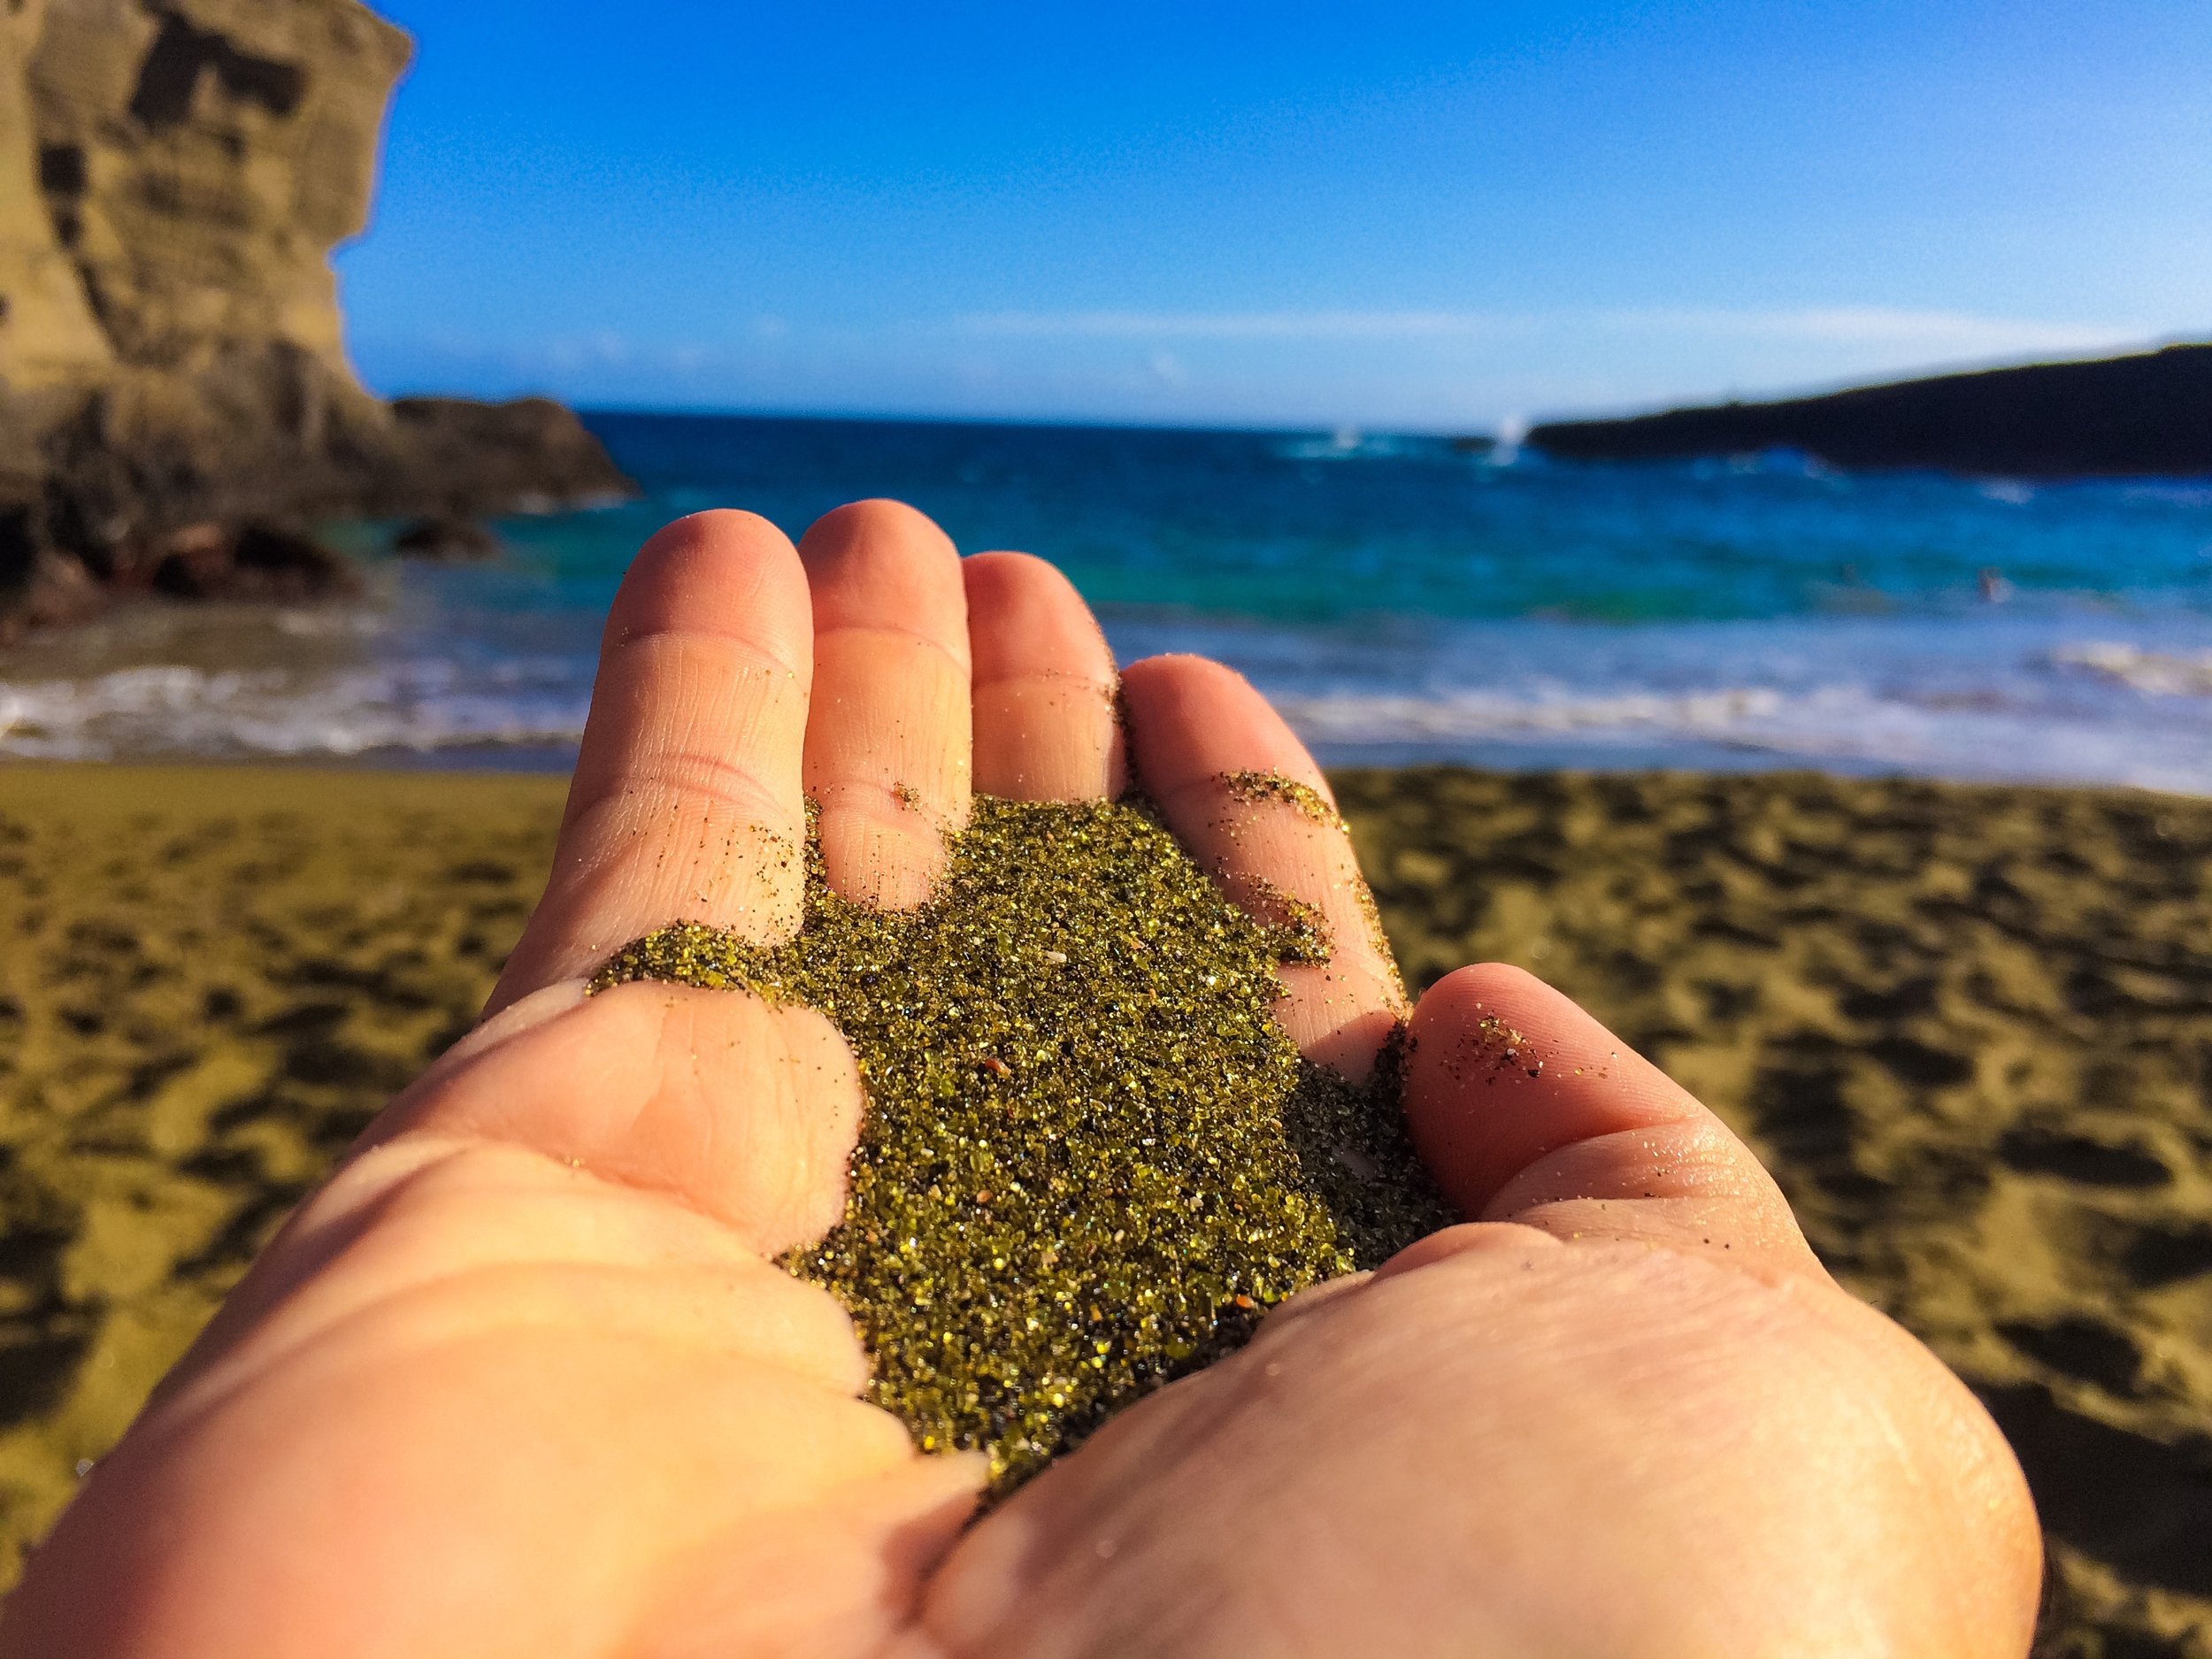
1969,1028
1092,1160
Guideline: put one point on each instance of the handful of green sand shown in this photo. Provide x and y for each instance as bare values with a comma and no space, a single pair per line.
1091,1159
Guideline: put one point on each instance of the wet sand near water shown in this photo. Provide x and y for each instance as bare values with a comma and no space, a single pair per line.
1971,1028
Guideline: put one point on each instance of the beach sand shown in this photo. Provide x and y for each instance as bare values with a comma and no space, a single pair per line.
1969,1028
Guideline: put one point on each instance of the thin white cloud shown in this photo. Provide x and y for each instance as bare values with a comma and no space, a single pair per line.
1882,326
1236,324
1956,333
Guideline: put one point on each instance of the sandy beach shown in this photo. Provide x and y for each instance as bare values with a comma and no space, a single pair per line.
1971,1028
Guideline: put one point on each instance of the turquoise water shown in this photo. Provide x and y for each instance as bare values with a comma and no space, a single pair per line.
1400,599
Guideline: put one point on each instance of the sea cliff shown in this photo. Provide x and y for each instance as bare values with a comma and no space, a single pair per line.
176,408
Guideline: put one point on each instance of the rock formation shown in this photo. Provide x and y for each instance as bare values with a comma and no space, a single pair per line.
2147,414
175,402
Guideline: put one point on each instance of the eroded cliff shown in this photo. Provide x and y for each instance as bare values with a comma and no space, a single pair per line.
175,402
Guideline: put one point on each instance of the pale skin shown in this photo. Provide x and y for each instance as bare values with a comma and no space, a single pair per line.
521,1380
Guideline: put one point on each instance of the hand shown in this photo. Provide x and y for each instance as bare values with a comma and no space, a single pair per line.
521,1380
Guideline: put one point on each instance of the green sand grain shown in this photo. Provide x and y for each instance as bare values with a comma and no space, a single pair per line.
1091,1160
1308,802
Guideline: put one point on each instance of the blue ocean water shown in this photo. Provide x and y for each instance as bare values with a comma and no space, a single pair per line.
1400,599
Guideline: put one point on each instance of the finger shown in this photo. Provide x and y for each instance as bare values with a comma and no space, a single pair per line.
1240,792
686,804
1043,685
887,742
1527,1111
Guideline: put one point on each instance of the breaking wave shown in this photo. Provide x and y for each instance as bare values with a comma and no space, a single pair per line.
1415,604
170,710
1854,727
2160,674
1351,717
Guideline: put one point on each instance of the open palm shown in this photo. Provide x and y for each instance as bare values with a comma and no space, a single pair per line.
522,1379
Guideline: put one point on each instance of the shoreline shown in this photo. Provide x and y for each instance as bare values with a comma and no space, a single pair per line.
1399,604
1966,1025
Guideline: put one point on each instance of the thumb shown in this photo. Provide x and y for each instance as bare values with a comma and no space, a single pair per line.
1528,1110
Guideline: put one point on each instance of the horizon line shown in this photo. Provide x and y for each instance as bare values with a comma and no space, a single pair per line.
1123,423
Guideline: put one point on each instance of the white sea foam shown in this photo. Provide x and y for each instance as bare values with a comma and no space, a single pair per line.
1349,444
172,710
1985,734
1353,718
2162,674
1860,695
1815,622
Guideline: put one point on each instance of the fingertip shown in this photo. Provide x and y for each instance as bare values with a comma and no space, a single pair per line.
1501,993
685,798
890,737
722,571
1491,990
1026,616
1006,570
1193,720
1500,1011
710,529
1503,1070
857,521
1046,727
880,564
1527,1109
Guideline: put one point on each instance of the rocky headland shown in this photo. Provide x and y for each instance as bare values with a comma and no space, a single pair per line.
2149,414
176,408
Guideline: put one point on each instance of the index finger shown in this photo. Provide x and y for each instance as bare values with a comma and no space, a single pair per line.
686,805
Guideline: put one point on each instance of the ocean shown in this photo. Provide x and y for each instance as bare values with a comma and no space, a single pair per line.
1401,599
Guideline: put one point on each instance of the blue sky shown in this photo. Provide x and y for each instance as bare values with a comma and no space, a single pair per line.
1416,215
